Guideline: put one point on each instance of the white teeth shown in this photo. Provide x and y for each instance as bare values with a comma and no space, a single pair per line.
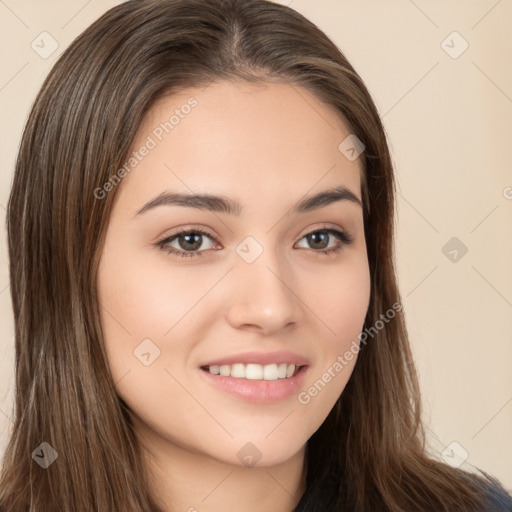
254,371
270,372
238,370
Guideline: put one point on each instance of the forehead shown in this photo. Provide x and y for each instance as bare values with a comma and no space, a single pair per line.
239,139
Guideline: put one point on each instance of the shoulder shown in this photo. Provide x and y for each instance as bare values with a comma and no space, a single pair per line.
497,499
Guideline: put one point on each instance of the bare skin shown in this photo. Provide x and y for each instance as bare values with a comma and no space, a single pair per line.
268,147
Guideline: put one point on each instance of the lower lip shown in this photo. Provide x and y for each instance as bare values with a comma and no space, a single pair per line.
259,391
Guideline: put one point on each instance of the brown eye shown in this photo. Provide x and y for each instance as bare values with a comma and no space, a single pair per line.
319,240
190,242
186,243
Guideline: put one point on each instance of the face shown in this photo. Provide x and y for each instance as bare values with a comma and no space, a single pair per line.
226,320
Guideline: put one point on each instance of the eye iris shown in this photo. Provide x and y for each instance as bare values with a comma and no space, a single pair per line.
315,237
194,241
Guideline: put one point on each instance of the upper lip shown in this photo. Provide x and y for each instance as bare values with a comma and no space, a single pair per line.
263,358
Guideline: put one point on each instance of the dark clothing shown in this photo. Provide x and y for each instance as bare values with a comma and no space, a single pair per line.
498,500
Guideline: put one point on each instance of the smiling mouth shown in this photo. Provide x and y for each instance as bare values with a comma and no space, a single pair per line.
275,371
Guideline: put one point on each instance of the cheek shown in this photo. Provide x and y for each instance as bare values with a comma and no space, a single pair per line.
141,301
341,306
340,299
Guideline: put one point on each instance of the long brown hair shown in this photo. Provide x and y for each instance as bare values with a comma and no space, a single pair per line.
369,454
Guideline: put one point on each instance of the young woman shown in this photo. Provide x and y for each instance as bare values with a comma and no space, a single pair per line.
207,317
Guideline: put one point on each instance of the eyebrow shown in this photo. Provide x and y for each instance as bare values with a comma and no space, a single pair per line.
223,204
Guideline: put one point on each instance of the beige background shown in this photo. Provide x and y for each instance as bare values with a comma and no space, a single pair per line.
449,121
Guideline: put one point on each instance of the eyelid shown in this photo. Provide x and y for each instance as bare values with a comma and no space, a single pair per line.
187,229
323,226
200,229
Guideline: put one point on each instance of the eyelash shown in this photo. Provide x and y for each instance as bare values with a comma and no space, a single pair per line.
343,237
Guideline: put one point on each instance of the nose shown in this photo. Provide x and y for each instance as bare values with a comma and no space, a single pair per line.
263,297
